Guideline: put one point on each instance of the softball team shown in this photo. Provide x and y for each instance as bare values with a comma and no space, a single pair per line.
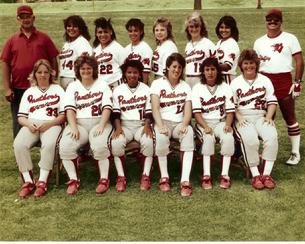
110,101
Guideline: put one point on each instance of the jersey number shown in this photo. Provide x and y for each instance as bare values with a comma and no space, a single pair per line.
141,113
179,109
68,65
106,69
155,67
52,112
197,67
95,110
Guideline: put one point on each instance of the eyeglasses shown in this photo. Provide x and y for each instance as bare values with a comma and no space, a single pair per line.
276,20
25,16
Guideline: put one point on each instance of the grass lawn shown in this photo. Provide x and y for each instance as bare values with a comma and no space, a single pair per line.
239,213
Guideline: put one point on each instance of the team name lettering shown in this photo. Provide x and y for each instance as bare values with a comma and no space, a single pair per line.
66,54
87,96
133,99
172,103
250,92
213,100
134,56
199,53
172,94
44,97
104,57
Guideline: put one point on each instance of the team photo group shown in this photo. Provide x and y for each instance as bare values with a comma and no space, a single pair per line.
99,97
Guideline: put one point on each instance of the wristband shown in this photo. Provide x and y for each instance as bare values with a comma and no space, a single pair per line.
298,81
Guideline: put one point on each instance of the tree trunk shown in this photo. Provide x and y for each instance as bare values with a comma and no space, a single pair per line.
197,4
259,4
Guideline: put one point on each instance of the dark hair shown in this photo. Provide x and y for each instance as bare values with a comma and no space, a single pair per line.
79,22
137,23
211,61
231,23
248,54
85,59
175,57
196,18
104,24
167,24
137,64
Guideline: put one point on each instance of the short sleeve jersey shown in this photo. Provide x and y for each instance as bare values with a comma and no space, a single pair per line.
88,103
70,52
131,104
141,52
212,104
228,53
109,60
172,99
253,97
196,53
160,55
42,104
276,53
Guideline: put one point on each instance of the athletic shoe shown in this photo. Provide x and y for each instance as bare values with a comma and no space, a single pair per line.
103,186
185,189
294,159
73,187
225,182
41,188
257,183
164,184
206,182
269,183
120,184
145,183
26,189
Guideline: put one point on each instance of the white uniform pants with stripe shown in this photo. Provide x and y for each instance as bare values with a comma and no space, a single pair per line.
249,139
226,140
25,140
99,145
163,141
132,130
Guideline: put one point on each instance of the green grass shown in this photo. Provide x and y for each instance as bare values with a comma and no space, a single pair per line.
239,213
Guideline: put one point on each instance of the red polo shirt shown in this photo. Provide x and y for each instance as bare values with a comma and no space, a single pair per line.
21,53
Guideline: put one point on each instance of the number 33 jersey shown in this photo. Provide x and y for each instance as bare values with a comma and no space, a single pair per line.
212,102
131,103
88,102
42,104
172,99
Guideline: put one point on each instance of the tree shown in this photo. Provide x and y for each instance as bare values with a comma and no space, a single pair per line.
197,4
259,4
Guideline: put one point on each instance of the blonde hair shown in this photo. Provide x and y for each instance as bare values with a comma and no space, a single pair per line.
196,18
46,63
167,24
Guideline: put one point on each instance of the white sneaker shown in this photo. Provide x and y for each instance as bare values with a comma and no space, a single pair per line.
294,159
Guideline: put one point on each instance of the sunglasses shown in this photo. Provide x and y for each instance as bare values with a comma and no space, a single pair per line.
270,19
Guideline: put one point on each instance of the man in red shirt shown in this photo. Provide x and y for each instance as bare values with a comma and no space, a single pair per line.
18,56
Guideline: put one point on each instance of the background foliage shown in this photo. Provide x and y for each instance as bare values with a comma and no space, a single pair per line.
239,213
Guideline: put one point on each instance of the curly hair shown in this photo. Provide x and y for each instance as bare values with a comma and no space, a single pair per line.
134,64
104,24
167,24
85,59
46,63
175,57
137,23
196,19
77,21
211,61
248,54
231,23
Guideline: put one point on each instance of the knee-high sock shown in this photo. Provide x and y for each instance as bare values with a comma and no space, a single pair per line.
206,165
295,137
254,171
147,165
226,160
267,167
186,166
103,166
44,175
27,176
163,166
71,168
119,165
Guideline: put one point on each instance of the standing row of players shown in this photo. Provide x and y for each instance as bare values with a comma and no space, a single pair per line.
150,115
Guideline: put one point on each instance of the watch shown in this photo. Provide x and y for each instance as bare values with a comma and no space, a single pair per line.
298,81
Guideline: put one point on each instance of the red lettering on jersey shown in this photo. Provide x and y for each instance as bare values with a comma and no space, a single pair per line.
220,53
87,96
194,55
232,56
104,57
172,94
134,56
212,100
250,92
65,54
131,100
263,58
156,56
278,47
146,61
43,97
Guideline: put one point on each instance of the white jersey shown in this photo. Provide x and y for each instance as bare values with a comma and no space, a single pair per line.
228,53
88,103
110,59
141,52
253,97
172,99
212,104
42,104
160,55
69,53
276,53
131,104
196,53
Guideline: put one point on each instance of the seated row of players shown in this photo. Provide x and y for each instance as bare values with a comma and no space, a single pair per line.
110,54
151,116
